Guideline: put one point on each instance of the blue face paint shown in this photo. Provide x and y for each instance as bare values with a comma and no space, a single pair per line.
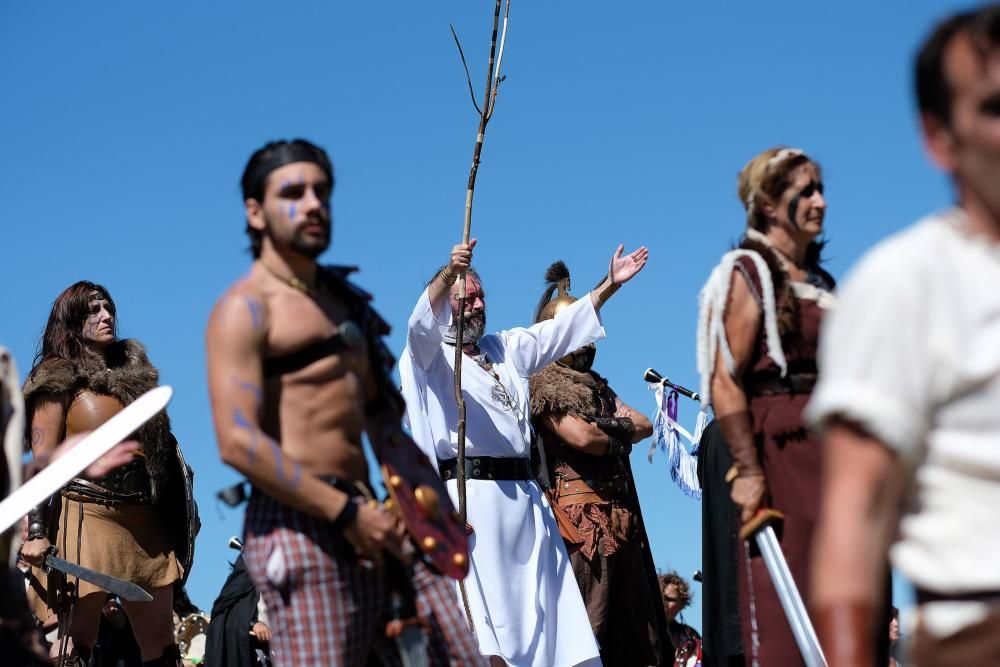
291,213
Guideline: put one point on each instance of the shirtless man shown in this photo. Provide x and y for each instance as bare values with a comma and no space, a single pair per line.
294,377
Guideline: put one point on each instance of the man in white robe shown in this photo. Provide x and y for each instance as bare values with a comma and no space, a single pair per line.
524,600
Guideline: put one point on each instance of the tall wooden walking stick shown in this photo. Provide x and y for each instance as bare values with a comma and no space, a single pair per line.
493,80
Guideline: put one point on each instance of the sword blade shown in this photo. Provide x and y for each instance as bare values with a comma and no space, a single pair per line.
788,595
126,590
88,450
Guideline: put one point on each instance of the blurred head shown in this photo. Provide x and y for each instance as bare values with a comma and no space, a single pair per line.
782,187
286,192
957,80
82,317
676,594
894,626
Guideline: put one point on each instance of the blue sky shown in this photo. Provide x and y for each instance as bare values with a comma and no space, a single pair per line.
126,127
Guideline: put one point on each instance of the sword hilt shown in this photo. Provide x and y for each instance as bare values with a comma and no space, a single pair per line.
764,517
45,567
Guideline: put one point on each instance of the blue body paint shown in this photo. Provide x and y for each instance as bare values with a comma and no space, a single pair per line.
252,388
256,314
242,422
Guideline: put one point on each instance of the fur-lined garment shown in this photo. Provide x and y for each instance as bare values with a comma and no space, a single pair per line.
123,372
560,390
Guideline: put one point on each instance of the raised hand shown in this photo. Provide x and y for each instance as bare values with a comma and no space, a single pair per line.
461,257
624,267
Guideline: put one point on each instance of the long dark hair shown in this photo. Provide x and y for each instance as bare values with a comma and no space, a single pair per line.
63,337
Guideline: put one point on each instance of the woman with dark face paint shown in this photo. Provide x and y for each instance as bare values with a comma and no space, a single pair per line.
757,334
132,522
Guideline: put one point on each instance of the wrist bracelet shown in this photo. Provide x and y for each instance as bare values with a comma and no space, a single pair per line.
447,277
346,516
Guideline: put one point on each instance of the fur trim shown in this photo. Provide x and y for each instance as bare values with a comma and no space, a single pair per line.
558,389
123,372
786,305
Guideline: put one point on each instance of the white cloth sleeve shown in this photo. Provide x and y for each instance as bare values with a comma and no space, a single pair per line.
425,331
537,346
875,363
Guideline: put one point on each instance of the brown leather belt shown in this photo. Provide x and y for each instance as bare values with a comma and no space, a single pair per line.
580,491
128,484
488,467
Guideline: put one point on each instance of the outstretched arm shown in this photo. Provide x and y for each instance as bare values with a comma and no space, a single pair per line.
621,269
235,342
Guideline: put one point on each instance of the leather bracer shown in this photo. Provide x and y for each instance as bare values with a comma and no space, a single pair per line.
738,433
622,428
38,520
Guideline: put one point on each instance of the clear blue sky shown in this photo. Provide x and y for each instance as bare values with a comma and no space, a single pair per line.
126,126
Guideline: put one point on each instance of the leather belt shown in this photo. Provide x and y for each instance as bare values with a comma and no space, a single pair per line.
774,385
488,467
580,491
129,484
924,596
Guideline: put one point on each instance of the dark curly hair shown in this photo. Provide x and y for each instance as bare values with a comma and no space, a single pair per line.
684,593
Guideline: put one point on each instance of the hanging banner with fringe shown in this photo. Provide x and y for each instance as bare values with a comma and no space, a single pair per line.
667,434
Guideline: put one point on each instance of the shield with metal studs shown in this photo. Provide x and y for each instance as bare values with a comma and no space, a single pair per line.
417,493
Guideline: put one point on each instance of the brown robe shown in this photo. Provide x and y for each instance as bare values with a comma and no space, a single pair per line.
791,459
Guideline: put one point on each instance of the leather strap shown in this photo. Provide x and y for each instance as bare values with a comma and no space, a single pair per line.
580,491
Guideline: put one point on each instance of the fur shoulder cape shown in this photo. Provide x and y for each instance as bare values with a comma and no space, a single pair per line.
558,389
124,372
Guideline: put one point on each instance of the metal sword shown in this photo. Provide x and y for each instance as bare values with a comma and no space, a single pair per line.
762,532
126,590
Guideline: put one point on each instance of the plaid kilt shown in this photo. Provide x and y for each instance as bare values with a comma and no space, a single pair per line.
330,609
325,609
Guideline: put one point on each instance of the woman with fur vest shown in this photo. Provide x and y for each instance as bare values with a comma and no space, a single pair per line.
757,333
118,524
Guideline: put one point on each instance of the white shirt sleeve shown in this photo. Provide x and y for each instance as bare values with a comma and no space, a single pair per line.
425,331
875,365
537,346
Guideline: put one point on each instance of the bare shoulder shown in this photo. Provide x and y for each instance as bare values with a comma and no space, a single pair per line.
241,311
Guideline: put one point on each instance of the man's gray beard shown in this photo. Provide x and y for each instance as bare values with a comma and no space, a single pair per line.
473,330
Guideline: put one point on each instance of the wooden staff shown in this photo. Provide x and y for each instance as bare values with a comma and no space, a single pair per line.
493,80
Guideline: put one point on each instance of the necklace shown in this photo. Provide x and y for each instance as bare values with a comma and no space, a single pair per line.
293,282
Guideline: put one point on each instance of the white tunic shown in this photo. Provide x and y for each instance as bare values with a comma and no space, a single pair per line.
912,353
525,601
